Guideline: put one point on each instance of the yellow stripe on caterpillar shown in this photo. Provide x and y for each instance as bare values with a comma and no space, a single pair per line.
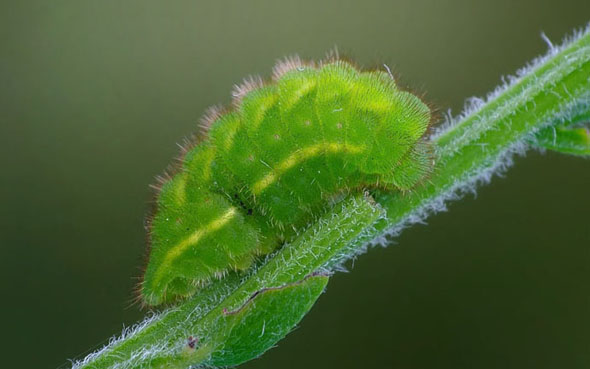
301,155
176,251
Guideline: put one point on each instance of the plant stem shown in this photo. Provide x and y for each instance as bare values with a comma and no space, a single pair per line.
482,142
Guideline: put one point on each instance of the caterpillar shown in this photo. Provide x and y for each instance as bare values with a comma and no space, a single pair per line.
284,153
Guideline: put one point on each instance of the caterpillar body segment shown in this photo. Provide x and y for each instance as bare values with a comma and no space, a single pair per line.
282,157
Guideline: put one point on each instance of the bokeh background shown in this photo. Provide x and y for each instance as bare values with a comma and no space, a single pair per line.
94,96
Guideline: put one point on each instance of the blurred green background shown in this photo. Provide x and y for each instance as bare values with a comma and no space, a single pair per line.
94,96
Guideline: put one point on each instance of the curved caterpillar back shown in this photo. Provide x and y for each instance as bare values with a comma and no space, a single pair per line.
276,161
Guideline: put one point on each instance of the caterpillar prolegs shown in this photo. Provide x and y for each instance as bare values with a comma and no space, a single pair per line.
283,155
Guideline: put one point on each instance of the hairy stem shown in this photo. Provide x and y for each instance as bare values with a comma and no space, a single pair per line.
556,88
213,327
237,318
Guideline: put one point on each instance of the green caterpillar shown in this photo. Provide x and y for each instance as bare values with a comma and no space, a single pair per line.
283,155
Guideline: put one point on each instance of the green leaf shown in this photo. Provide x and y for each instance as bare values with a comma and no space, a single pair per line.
573,141
266,318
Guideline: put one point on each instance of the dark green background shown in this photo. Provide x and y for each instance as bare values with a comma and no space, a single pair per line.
95,94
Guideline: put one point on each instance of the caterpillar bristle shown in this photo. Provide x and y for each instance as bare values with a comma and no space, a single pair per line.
187,144
332,56
389,72
212,113
249,83
288,64
161,179
136,297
